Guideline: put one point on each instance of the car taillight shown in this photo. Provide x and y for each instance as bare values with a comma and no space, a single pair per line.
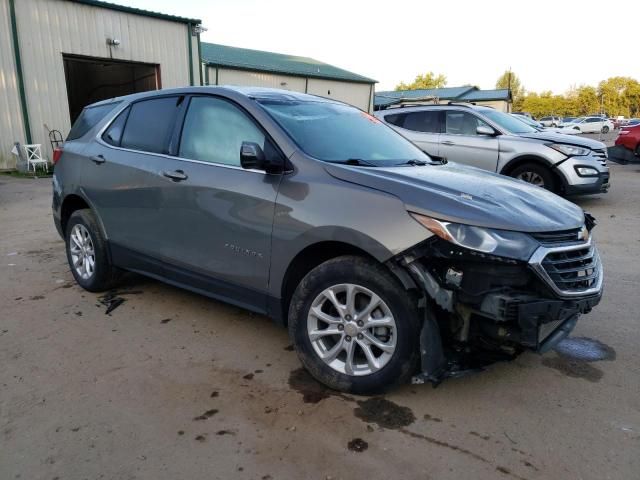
57,153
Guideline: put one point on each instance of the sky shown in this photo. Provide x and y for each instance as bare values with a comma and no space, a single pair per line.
550,45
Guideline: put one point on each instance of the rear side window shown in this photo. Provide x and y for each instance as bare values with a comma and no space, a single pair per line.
150,124
214,130
89,118
427,122
113,135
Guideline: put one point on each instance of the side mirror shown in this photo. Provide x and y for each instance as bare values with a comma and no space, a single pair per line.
251,156
485,130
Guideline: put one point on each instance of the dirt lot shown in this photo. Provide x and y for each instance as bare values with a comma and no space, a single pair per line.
172,385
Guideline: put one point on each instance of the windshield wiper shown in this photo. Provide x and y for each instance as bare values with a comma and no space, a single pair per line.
414,162
355,161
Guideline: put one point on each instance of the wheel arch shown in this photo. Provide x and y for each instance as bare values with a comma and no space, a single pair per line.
77,201
523,159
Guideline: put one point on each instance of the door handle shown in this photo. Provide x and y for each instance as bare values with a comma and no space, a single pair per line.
176,175
98,159
448,142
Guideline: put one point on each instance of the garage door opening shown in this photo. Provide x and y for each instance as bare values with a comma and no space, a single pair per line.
90,80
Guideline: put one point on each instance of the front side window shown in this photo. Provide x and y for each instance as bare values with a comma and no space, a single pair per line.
214,130
462,123
150,124
335,132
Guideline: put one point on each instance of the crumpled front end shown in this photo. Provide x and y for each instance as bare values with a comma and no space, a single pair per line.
480,308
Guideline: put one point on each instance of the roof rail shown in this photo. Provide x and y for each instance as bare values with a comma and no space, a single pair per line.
461,104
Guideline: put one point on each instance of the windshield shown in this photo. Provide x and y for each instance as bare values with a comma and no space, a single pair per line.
578,120
334,132
528,121
508,122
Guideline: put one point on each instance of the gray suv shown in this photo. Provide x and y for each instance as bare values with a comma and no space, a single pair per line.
383,263
492,140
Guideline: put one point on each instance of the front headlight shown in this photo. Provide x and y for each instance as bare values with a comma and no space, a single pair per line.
502,243
569,150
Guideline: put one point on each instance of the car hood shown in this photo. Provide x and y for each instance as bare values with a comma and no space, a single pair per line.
562,138
468,195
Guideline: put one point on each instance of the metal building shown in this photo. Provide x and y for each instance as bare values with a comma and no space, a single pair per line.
58,55
224,65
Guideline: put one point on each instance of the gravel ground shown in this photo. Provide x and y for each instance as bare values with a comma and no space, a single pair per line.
172,385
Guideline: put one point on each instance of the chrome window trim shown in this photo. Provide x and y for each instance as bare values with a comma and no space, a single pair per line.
540,254
99,139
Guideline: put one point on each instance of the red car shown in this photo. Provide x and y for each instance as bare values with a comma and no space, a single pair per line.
629,137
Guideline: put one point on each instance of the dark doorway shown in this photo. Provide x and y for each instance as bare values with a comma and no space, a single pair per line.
90,80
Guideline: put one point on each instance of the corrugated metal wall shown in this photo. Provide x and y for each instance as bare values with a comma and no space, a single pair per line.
10,114
49,28
227,76
357,94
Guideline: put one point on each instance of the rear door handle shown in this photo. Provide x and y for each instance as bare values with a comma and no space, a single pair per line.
448,142
176,175
98,159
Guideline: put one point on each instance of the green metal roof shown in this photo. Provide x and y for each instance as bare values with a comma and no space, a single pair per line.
486,95
468,94
258,60
137,11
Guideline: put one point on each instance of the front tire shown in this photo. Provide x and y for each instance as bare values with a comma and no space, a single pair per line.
535,174
355,328
87,253
605,129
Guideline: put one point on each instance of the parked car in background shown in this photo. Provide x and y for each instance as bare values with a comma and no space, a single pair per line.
566,120
550,121
486,138
589,125
629,137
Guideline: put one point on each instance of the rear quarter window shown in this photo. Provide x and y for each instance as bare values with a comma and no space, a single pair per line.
89,118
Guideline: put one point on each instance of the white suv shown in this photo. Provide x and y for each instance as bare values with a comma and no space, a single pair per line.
550,121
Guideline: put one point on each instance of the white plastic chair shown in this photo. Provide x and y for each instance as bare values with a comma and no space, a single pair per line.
34,157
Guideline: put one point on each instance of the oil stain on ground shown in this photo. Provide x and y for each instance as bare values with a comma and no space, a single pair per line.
575,356
357,445
311,390
384,413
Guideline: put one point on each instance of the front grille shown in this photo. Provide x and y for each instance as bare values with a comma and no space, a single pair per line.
554,238
573,271
601,154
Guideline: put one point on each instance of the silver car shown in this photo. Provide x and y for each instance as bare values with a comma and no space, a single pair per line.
486,138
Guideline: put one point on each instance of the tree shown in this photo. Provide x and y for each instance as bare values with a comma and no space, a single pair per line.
510,80
423,82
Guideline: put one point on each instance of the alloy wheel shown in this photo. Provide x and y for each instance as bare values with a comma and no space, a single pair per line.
352,329
531,177
83,256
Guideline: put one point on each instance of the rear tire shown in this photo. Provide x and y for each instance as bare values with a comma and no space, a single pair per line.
87,253
535,174
322,302
638,150
605,129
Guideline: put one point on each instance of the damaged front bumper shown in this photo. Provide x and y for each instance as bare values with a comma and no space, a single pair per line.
480,308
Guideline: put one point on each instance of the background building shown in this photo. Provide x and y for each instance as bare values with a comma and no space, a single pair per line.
499,99
59,55
225,65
